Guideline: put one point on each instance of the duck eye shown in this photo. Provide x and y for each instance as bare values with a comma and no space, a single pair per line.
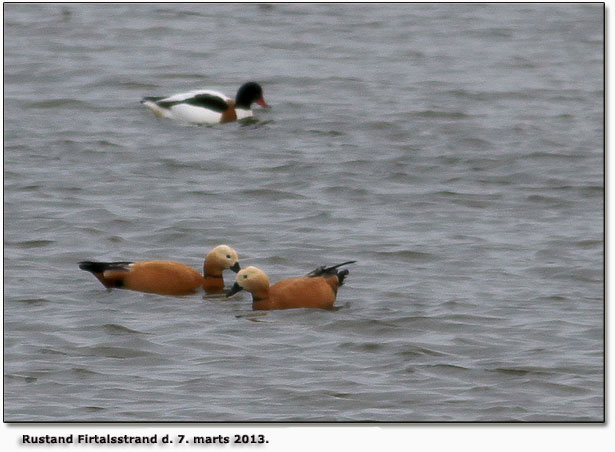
245,276
228,256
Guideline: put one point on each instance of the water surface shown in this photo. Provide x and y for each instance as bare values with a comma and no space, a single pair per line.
454,150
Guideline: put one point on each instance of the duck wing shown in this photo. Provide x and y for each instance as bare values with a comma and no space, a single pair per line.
322,270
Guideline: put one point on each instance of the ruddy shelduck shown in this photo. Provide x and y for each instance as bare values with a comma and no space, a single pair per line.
206,106
318,289
166,277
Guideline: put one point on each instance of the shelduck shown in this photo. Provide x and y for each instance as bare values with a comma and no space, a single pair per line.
166,277
318,289
207,106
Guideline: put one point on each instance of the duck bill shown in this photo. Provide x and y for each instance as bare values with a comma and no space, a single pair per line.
235,267
262,103
236,288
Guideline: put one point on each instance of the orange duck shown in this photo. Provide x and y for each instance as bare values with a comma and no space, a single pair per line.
316,290
166,277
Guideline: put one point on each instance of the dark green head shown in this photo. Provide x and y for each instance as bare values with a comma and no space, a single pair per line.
248,94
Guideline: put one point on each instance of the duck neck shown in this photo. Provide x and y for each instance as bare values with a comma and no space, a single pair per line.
260,295
213,284
211,270
243,101
262,303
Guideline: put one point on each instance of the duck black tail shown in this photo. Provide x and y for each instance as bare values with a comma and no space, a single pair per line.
151,99
100,267
341,275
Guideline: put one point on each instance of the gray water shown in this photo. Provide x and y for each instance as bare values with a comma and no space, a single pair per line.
454,150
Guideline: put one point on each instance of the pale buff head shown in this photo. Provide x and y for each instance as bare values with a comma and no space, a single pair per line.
223,256
251,279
